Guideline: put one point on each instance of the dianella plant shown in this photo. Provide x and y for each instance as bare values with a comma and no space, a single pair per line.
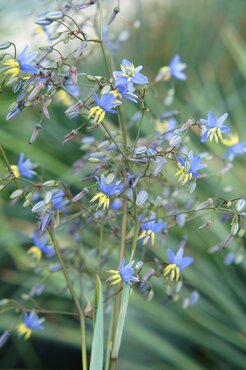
109,234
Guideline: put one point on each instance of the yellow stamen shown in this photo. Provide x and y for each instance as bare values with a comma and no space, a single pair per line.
173,270
103,200
232,140
161,126
147,234
128,71
215,133
183,176
63,97
116,278
15,170
24,330
97,114
35,252
164,74
14,67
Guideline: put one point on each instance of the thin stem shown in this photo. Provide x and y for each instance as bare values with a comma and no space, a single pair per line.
75,299
8,166
116,144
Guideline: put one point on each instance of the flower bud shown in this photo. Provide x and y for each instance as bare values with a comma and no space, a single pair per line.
234,228
175,140
35,133
17,193
38,207
194,297
5,45
54,16
49,183
241,233
105,90
240,205
43,21
47,197
142,197
80,195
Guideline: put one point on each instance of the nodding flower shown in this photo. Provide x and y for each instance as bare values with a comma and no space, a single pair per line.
106,190
125,274
149,229
235,147
24,168
22,63
105,104
173,70
129,75
177,263
214,128
40,246
122,92
31,322
188,168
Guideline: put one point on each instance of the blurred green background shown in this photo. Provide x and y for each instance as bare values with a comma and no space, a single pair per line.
210,37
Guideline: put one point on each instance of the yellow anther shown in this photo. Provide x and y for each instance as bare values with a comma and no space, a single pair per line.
164,74
24,330
172,270
215,133
63,97
116,278
161,126
183,176
103,200
14,67
232,140
35,252
15,170
147,234
97,114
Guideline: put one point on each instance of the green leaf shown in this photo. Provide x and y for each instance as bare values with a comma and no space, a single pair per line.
97,342
121,320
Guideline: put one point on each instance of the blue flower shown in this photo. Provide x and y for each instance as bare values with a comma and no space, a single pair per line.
103,105
125,273
122,92
165,126
129,75
235,147
40,245
58,201
106,190
149,229
24,168
214,128
177,263
22,63
188,168
173,70
31,322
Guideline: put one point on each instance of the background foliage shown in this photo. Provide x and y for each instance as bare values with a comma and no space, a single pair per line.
210,37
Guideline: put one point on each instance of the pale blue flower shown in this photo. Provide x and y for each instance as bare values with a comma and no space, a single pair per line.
129,75
214,128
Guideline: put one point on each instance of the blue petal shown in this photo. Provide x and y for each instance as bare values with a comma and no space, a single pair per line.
170,255
222,119
185,262
212,120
